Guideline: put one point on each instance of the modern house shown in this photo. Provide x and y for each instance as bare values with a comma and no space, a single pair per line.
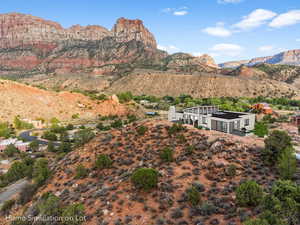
210,117
263,108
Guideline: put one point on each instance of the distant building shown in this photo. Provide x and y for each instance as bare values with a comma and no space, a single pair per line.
36,123
263,108
20,145
296,119
210,117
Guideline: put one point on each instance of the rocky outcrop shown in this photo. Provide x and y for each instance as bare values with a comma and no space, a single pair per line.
291,57
183,62
127,30
32,44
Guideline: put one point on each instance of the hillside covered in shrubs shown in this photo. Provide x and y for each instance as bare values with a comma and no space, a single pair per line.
161,173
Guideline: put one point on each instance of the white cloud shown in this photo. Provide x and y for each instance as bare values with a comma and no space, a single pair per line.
266,48
168,48
227,49
228,1
256,18
218,30
182,11
286,19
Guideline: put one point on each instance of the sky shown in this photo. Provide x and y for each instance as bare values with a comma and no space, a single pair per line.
225,29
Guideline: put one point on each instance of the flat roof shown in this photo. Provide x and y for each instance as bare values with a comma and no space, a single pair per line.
227,115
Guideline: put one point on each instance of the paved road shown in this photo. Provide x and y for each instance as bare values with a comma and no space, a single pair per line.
26,135
12,190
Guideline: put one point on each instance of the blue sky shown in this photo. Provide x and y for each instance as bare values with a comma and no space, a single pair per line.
226,29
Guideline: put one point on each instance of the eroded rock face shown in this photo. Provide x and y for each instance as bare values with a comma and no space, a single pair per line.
127,30
29,43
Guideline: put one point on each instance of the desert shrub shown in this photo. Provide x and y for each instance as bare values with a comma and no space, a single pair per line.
100,126
231,170
74,213
64,147
131,118
49,205
41,171
27,193
125,97
58,129
34,145
260,129
83,136
6,130
283,189
249,193
287,163
81,172
7,205
271,218
75,116
103,162
18,170
256,222
181,138
141,130
194,196
275,145
70,126
21,125
190,149
175,128
145,178
117,124
271,203
11,151
51,147
208,208
166,154
48,135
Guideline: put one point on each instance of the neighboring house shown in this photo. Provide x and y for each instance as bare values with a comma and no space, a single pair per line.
210,117
36,123
263,108
20,145
296,119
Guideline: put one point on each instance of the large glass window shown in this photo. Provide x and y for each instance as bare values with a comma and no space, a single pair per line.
247,122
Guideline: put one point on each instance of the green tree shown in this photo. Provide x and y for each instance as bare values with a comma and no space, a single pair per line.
103,162
194,196
81,172
74,213
145,178
83,136
260,129
11,151
64,147
141,130
41,171
275,145
49,206
256,222
167,155
287,163
51,147
48,135
34,146
249,193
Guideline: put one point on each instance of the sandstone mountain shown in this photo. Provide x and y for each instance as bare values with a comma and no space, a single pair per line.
30,45
203,85
291,57
284,73
32,103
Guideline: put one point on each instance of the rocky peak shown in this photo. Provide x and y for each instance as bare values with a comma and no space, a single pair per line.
18,29
126,30
207,60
